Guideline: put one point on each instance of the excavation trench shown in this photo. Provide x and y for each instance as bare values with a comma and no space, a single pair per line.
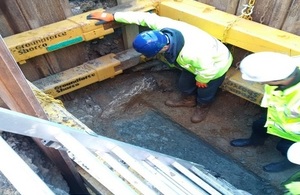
130,108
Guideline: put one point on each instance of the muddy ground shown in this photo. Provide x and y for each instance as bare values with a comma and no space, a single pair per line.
130,108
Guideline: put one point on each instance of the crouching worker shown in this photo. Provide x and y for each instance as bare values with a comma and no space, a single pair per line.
203,59
281,75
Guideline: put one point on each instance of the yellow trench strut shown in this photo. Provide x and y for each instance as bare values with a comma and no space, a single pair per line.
55,36
78,77
88,73
245,34
62,34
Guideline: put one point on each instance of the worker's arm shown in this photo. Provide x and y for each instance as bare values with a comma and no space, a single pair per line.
151,20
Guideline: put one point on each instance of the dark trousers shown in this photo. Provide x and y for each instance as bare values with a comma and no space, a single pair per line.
259,135
187,85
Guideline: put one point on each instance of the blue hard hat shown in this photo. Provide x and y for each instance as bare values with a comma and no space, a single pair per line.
149,43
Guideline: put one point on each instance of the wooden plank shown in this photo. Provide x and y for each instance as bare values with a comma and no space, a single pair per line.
280,11
262,11
278,14
13,14
27,15
232,6
3,22
129,33
292,22
228,6
18,96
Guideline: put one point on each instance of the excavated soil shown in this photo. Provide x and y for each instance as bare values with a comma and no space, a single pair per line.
130,108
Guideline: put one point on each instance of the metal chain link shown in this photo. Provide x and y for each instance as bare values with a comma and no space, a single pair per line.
246,14
228,27
266,9
248,10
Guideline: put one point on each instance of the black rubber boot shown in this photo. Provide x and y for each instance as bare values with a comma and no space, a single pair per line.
241,142
246,142
278,166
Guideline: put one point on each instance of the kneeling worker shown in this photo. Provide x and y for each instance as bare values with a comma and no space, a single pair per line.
281,75
203,59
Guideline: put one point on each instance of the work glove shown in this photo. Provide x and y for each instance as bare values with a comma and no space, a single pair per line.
201,85
102,17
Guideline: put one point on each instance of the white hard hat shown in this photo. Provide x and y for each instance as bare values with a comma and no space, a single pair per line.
293,153
267,66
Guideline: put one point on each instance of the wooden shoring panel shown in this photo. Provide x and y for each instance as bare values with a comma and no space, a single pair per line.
26,15
228,6
279,14
18,96
292,21
4,23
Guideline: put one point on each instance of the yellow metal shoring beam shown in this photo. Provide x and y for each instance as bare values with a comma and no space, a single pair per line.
90,72
78,77
62,34
54,36
245,34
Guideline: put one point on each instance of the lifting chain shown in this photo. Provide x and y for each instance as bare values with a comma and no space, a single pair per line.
266,9
246,14
248,10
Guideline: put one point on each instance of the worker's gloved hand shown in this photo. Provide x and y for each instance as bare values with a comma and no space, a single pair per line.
201,85
102,17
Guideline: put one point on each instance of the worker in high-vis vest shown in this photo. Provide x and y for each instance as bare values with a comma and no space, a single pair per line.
280,75
202,59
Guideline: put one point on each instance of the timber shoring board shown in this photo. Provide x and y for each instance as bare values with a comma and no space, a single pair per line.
279,14
26,15
229,6
18,96
292,21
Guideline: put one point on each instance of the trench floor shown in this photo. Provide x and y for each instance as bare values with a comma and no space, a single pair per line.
130,108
